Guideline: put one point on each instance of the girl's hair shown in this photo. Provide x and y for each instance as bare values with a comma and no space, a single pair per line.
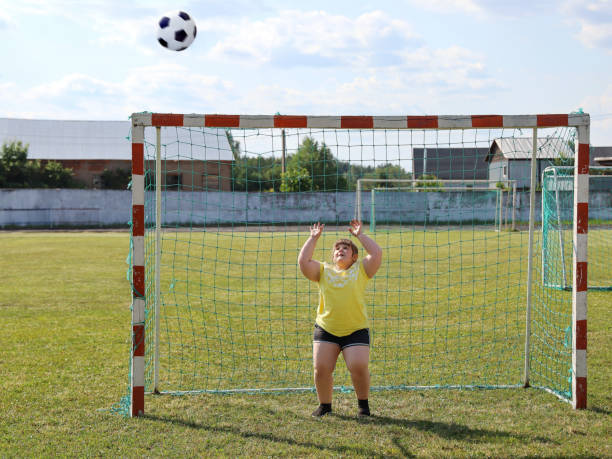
348,242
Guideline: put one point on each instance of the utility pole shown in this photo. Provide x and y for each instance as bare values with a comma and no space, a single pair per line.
284,152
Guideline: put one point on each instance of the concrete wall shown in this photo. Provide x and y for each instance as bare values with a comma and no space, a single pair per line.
65,208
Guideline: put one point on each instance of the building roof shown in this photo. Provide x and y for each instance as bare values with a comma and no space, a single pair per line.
62,139
601,156
521,148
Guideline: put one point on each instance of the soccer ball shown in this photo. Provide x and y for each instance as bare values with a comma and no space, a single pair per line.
176,31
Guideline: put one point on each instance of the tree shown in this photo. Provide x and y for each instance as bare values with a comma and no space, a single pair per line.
392,172
256,174
325,172
380,172
17,171
321,165
295,180
354,172
54,175
234,145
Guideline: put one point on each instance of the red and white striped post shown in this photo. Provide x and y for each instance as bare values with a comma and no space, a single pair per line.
579,295
138,272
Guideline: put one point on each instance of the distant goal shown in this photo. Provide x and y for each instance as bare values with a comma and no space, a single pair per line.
445,202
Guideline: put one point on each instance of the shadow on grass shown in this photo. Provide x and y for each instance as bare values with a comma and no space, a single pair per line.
599,409
273,437
445,430
450,431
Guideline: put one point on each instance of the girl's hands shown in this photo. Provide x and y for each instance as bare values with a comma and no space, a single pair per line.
316,230
355,228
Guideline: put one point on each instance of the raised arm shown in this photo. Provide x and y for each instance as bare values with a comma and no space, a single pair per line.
372,261
309,267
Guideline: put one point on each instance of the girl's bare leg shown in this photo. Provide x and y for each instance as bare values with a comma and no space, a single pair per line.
357,359
324,357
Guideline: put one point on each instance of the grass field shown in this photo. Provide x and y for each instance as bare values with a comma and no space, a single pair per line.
64,310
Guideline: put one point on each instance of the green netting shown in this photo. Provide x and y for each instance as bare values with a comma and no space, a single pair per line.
557,216
447,307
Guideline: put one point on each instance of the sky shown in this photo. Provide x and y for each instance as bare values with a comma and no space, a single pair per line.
100,60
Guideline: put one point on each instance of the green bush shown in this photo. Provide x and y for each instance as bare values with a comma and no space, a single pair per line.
115,179
429,182
295,179
17,171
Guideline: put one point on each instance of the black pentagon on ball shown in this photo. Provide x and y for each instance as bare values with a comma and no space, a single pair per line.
184,15
164,22
195,31
163,42
180,35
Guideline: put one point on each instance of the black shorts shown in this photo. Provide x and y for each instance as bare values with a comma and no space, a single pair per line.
358,338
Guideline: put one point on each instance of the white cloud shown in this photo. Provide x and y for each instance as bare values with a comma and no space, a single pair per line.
138,33
384,64
131,24
436,81
159,87
370,45
113,21
594,18
450,6
600,108
314,38
484,9
156,88
369,64
4,21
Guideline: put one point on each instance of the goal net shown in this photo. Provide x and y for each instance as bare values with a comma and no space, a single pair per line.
222,205
557,220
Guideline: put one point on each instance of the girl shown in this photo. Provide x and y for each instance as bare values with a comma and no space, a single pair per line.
342,323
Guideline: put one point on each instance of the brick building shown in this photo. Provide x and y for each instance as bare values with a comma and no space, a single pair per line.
197,158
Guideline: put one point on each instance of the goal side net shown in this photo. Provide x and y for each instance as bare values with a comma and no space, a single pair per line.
223,203
557,220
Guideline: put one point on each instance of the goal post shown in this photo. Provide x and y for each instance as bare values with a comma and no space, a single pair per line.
221,205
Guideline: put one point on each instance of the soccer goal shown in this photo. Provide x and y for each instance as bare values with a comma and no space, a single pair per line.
557,218
448,201
223,203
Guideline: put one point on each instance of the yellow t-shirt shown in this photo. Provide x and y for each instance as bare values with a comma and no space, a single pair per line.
342,308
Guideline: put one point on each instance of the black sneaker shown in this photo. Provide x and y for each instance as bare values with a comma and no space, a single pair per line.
322,410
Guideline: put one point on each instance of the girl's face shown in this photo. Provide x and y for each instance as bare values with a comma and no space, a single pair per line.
343,256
